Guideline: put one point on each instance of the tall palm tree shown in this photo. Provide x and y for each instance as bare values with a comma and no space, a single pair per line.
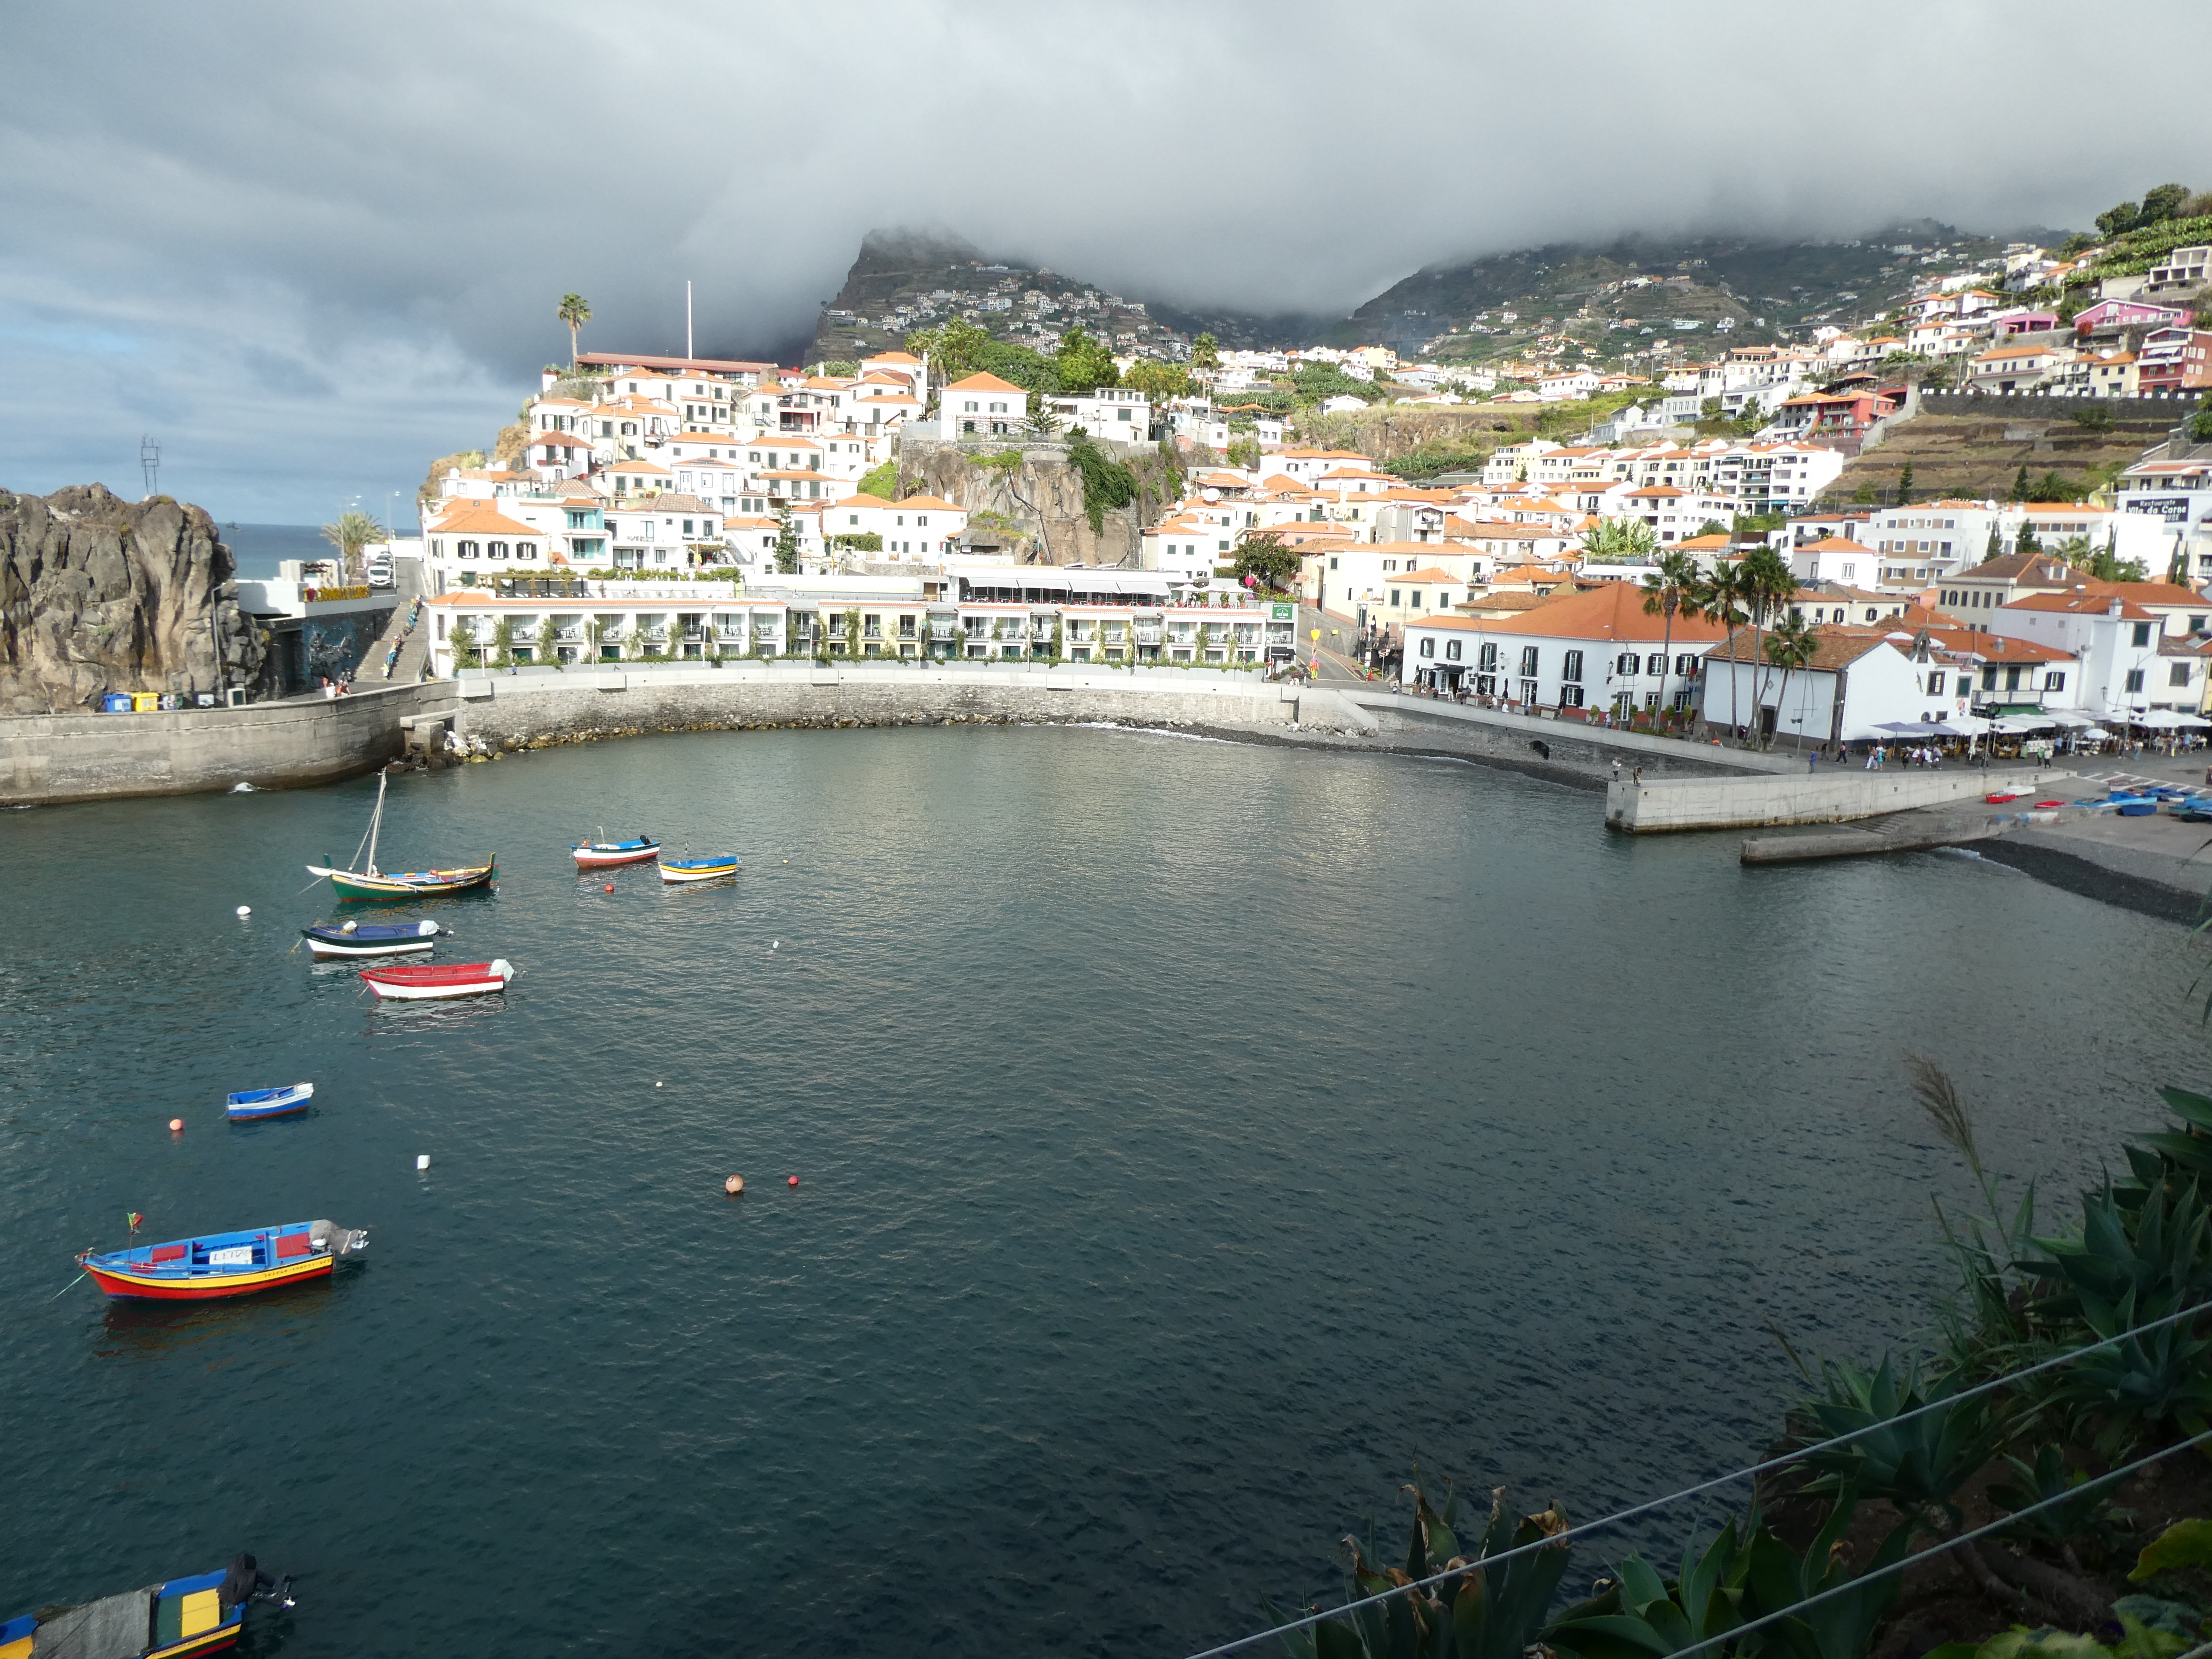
1768,584
1665,592
1720,596
575,311
1791,645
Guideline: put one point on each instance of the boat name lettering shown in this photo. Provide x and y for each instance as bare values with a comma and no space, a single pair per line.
238,1255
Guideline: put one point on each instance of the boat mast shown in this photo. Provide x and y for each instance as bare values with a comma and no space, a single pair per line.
376,819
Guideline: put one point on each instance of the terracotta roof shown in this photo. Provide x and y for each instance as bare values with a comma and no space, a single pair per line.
936,503
987,383
1613,611
470,517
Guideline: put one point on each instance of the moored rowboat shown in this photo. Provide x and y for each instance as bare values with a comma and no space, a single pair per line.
601,854
698,869
224,1264
249,1104
424,982
412,884
354,939
183,1617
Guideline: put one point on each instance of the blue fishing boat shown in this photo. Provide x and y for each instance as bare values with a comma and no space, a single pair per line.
601,854
178,1620
370,939
223,1264
249,1105
707,869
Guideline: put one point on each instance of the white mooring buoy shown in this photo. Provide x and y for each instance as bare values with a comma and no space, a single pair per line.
422,1160
246,909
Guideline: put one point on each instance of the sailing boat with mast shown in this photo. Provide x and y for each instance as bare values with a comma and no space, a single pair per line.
370,883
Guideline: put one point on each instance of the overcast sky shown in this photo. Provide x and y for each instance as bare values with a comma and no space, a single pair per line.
310,248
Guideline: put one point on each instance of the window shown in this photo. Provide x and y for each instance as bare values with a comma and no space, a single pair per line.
2178,675
1428,648
1570,666
1571,697
1332,561
494,550
2141,634
1396,597
2134,680
2196,625
1451,650
1529,662
1626,663
1989,678
1936,679
2054,681
526,550
1414,600
1486,659
2012,676
466,551
1655,663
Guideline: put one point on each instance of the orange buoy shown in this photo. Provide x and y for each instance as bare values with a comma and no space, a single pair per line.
795,1181
610,887
734,1185
176,1124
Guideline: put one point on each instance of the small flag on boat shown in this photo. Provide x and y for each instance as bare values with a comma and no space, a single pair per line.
136,1220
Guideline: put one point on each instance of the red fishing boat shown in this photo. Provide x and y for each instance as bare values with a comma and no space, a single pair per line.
224,1264
424,983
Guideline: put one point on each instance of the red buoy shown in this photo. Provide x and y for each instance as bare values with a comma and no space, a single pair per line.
795,1181
177,1125
610,887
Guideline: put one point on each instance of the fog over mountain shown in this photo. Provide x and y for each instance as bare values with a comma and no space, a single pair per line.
307,249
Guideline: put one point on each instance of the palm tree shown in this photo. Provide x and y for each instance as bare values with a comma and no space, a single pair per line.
354,530
1791,645
1767,583
1665,592
575,311
1720,596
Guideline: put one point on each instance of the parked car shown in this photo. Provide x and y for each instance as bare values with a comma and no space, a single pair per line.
379,572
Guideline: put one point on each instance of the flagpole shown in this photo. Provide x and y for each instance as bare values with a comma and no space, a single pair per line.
687,320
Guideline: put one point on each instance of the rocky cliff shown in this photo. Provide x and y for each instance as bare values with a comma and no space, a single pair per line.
1034,506
99,594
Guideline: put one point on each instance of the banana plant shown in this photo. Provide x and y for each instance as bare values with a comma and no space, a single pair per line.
1481,1612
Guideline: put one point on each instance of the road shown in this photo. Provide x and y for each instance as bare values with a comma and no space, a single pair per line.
1338,663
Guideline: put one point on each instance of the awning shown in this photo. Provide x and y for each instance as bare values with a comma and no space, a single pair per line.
1908,728
1960,726
2156,720
2016,723
2068,717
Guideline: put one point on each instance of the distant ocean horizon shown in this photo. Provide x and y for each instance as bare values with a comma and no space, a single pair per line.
258,548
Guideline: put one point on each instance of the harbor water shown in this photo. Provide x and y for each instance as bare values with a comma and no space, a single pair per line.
1192,1140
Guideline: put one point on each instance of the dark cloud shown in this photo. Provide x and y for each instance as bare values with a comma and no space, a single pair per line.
317,247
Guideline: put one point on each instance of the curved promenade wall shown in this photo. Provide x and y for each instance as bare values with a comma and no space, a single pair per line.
271,746
585,701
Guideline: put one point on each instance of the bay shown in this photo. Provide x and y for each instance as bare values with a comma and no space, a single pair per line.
1192,1138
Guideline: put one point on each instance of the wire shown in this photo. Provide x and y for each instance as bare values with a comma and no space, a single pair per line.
1982,1531
1638,1511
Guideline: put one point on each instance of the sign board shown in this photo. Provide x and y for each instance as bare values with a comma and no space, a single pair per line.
1285,611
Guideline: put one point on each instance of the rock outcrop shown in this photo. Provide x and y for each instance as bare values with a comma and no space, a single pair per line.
101,594
1036,506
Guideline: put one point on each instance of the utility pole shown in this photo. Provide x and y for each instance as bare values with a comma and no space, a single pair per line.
149,461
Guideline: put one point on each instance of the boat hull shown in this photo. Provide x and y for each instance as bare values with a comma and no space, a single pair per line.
698,869
148,1287
356,886
272,1102
605,856
328,948
474,979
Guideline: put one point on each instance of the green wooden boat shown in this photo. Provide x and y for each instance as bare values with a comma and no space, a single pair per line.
370,883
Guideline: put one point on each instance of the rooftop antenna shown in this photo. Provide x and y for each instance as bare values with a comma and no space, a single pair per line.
687,320
149,461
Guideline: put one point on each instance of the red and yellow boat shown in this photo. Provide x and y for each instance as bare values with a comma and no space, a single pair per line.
224,1264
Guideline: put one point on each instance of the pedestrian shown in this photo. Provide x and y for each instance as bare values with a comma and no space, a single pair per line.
1813,761
1616,769
1638,776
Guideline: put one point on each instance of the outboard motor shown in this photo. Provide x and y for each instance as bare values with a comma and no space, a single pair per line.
328,1236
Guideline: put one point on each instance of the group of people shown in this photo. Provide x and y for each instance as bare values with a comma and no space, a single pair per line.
1926,754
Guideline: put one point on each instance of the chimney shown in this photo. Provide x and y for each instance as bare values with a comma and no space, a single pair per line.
2113,608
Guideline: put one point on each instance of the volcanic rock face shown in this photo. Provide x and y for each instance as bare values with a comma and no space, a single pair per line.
99,594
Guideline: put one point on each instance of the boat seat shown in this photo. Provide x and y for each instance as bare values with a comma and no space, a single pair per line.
169,1253
292,1245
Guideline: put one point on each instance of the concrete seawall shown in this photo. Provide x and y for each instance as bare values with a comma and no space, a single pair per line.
1531,742
1831,797
587,702
62,757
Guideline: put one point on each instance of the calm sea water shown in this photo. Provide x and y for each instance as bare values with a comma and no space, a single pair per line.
1192,1137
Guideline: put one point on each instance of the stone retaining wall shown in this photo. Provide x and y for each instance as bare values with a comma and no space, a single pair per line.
586,703
1532,743
271,746
1834,796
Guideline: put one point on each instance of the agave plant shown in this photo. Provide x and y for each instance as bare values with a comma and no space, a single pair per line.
1478,1613
1916,1464
1779,1578
1642,1615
